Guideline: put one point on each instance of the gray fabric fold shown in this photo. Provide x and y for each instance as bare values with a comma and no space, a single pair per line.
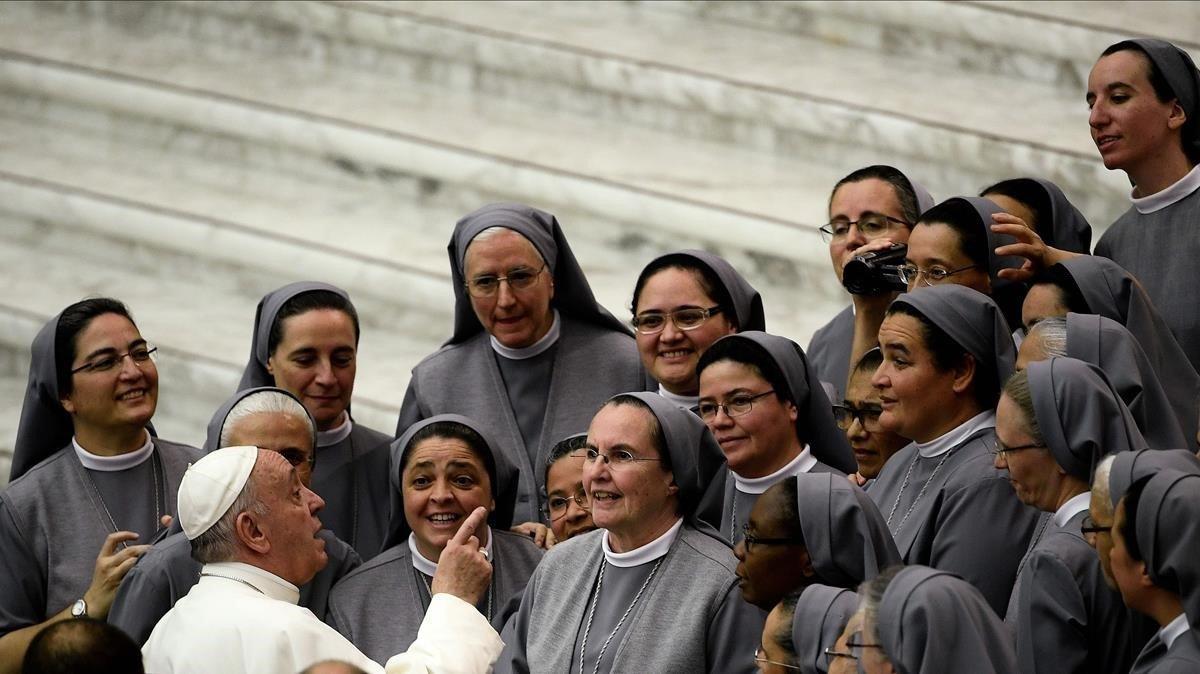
847,538
821,614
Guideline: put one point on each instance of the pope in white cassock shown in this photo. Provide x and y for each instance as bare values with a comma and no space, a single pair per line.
253,525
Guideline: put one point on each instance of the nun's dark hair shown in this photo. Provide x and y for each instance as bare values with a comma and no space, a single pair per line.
789,512
709,282
304,303
1162,89
752,354
949,354
1069,293
72,321
783,636
1132,498
564,448
82,646
900,183
960,216
658,438
869,362
453,430
1035,198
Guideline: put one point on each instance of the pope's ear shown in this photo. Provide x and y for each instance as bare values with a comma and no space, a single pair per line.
246,529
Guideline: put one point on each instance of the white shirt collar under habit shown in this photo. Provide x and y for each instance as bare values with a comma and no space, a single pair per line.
1174,629
1159,200
1074,505
333,436
264,581
428,567
535,349
645,554
682,402
803,463
112,464
954,438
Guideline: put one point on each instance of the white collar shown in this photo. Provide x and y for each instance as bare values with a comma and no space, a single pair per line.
1074,505
955,437
333,436
645,554
535,349
803,463
428,567
1159,200
682,402
264,581
1174,629
112,464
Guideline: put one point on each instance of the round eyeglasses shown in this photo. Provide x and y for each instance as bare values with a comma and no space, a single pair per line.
618,460
910,273
760,658
653,322
871,225
735,407
559,506
486,285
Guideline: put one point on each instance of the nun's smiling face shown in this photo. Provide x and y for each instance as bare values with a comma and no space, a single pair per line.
516,317
1130,126
564,480
767,572
444,480
111,396
760,441
316,361
671,355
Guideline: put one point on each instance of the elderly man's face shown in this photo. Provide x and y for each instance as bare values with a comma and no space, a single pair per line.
1100,509
517,318
290,523
767,572
285,434
1044,300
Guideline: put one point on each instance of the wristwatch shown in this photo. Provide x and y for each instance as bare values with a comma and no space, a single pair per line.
79,609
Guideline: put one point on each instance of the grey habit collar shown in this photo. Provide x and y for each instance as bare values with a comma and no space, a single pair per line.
1129,467
572,294
821,614
747,302
1167,528
255,373
1080,415
847,538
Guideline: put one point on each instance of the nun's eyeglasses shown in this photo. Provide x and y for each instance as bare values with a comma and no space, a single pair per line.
138,354
517,279
761,659
653,322
832,654
867,415
749,540
560,505
909,273
1089,527
619,459
736,407
871,226
1001,450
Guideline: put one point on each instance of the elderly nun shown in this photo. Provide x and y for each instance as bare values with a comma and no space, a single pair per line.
682,303
89,478
443,468
946,350
1045,209
1054,423
822,613
760,397
305,341
533,353
653,589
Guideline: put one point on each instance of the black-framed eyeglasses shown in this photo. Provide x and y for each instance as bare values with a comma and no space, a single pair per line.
909,273
872,225
690,318
619,459
139,355
520,278
750,540
559,506
1000,449
1089,526
735,407
760,658
867,415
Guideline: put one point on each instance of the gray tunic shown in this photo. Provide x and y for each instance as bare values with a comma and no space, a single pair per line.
352,478
167,571
591,364
528,383
52,525
1183,657
965,519
829,351
380,606
690,618
1067,618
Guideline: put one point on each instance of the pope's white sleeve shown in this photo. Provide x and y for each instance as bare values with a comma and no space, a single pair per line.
454,638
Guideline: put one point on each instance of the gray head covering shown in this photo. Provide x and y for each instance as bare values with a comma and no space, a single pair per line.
572,295
256,374
847,539
1168,527
821,614
1106,344
1080,415
747,303
1180,72
502,474
815,419
212,437
984,210
972,320
1129,467
932,622
1063,227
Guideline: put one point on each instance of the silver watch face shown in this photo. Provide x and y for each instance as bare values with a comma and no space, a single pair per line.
79,609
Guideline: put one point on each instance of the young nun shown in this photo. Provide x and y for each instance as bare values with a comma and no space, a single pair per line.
443,468
533,353
918,620
1043,207
1115,351
1054,422
1144,97
1154,563
822,613
858,416
306,342
268,418
89,480
870,210
654,589
760,397
682,303
813,528
945,351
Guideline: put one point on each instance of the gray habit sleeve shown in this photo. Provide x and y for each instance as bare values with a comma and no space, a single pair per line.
410,410
735,625
1052,620
22,589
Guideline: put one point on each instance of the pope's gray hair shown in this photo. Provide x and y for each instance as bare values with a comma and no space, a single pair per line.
219,542
266,402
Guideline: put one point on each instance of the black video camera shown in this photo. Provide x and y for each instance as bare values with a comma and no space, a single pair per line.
877,272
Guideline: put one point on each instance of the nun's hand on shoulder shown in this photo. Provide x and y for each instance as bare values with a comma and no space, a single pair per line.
539,533
1029,245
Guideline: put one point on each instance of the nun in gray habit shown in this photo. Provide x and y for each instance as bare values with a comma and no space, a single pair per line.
530,397
56,512
351,469
847,538
1058,222
821,615
1129,467
379,607
1065,616
937,495
672,610
932,622
167,571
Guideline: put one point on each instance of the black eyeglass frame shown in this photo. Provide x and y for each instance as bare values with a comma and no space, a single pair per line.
725,407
